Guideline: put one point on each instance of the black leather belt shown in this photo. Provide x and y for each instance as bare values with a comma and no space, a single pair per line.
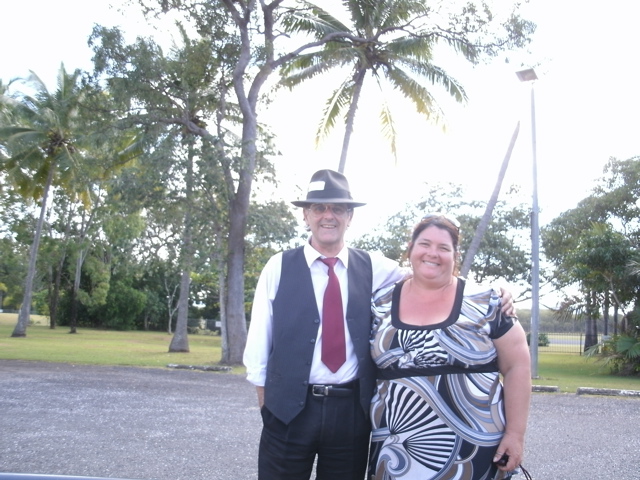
340,390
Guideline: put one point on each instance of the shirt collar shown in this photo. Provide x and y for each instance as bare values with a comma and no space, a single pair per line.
311,255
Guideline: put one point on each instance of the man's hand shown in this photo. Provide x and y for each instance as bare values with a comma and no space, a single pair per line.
507,303
260,391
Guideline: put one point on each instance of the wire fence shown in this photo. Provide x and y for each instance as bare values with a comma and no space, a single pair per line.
572,343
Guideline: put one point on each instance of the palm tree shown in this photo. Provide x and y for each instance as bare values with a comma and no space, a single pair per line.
386,40
41,148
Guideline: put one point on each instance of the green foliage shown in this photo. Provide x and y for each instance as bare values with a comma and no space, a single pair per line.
40,302
595,247
543,339
621,354
123,306
44,142
154,316
617,195
55,146
13,260
503,252
600,259
392,238
633,319
96,278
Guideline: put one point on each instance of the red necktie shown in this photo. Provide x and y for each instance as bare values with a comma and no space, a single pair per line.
333,345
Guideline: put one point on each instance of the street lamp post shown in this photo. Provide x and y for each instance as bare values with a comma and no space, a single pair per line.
529,75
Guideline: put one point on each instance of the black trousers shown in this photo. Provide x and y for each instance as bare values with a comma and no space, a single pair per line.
335,429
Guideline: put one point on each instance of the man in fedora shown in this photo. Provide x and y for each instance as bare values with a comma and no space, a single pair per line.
315,382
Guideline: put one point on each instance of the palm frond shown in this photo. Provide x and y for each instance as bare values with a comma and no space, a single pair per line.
469,51
421,97
629,346
437,76
410,47
335,105
391,14
13,133
389,129
313,20
309,66
36,82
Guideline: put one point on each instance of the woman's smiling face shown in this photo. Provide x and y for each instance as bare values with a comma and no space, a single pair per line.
432,254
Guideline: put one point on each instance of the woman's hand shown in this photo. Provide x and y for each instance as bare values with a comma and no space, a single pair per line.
511,449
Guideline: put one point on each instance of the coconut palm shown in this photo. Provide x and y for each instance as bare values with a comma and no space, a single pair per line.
39,134
386,40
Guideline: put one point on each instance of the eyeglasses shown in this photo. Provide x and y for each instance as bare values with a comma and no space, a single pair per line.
452,220
320,208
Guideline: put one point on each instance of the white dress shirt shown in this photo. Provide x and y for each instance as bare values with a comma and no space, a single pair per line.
385,272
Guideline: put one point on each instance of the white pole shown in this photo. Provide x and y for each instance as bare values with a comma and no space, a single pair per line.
535,249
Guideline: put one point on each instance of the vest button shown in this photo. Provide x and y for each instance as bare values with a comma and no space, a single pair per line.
305,383
317,320
313,340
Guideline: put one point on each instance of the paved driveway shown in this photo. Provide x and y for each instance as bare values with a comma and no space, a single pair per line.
165,424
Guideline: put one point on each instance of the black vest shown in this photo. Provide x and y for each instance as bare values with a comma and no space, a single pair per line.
295,327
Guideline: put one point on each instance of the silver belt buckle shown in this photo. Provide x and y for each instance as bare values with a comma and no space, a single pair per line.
320,390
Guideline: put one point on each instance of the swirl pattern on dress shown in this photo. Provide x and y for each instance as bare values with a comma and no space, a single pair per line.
438,411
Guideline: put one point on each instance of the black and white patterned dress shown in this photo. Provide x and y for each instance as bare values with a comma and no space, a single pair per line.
438,411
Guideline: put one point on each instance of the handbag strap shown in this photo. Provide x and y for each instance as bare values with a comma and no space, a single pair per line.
526,474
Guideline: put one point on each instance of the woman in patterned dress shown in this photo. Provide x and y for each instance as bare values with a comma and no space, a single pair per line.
440,410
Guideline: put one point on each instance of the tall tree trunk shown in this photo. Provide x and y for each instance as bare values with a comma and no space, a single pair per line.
55,296
591,333
605,313
222,295
20,329
351,116
73,324
50,293
180,340
486,218
171,293
236,323
170,310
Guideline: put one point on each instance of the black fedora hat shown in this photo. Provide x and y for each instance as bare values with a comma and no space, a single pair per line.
327,186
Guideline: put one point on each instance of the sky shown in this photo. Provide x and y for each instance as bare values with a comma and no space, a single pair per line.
586,106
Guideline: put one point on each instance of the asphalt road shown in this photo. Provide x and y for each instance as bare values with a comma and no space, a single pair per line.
167,424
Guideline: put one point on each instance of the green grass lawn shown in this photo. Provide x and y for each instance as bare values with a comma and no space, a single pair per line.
150,349
570,371
103,347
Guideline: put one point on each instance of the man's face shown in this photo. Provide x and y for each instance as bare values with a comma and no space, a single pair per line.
328,223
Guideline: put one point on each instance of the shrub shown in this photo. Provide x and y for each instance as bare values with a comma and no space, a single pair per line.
543,339
621,353
124,305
